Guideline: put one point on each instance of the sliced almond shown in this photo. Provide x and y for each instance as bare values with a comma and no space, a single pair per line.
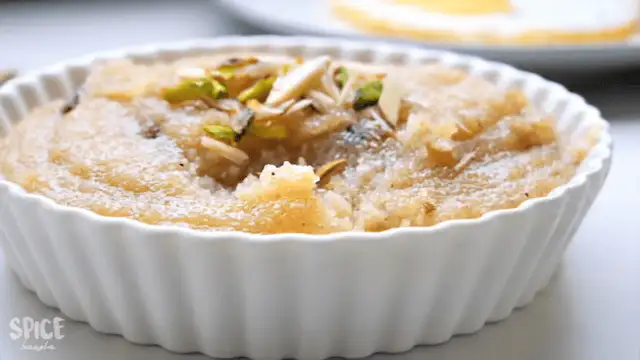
227,151
322,97
347,89
329,86
261,69
191,73
390,100
286,105
321,124
328,170
300,105
378,119
228,105
263,111
321,100
297,81
465,161
241,121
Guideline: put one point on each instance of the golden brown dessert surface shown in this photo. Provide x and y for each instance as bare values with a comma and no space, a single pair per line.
315,157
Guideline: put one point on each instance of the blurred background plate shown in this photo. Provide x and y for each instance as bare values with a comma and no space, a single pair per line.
313,17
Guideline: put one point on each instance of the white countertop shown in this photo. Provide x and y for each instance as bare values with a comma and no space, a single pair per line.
591,311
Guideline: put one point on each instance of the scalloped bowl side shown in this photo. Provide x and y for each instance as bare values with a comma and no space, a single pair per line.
229,294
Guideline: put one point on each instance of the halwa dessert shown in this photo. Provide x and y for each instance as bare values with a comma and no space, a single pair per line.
270,144
504,22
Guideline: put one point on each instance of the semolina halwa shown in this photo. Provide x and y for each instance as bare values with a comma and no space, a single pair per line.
268,144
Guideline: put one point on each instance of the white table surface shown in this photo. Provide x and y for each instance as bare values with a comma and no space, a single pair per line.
591,311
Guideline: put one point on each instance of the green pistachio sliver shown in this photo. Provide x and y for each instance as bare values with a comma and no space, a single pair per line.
220,132
342,76
259,90
269,132
228,70
194,90
367,95
219,89
225,72
181,93
286,68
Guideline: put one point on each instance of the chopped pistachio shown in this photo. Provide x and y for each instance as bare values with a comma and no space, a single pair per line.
286,68
259,90
368,95
219,89
269,132
220,132
224,72
195,90
342,76
228,69
227,133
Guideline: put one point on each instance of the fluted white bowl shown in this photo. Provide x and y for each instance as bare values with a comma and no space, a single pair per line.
229,294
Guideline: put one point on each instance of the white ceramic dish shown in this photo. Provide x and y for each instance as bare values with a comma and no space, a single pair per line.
313,17
232,294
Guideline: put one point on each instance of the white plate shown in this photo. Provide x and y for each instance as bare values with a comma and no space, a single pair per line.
314,17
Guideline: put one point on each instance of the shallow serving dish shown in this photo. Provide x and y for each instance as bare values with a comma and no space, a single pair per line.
230,294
